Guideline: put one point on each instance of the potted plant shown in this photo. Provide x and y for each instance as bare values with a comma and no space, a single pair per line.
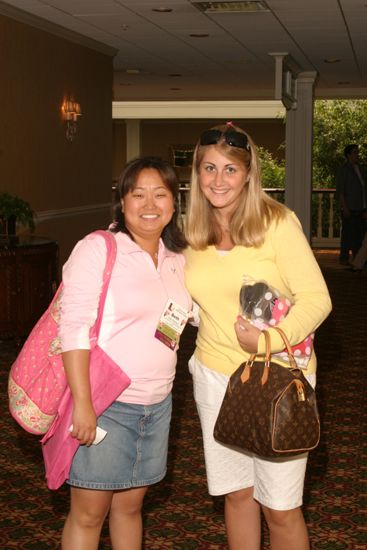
13,210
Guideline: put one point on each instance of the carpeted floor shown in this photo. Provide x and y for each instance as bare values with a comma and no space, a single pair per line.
178,512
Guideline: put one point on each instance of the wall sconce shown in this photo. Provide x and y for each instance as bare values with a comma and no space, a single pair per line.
70,112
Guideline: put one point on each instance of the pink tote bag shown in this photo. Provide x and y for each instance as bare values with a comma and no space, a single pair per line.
107,381
37,378
58,447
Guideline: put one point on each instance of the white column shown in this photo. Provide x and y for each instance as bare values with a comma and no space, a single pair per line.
298,157
133,145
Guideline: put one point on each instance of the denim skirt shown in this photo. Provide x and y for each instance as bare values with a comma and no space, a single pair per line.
133,453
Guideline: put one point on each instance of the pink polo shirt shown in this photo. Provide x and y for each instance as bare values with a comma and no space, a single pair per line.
136,297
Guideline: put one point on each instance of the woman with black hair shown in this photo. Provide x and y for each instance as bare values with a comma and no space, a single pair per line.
140,333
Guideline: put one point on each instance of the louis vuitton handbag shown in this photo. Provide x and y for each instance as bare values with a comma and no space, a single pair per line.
268,409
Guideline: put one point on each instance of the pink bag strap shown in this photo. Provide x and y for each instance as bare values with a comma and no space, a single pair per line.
110,262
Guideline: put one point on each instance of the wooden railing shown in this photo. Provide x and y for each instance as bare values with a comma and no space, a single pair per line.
325,219
325,225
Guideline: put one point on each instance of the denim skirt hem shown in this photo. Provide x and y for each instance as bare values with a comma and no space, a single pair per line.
133,453
115,486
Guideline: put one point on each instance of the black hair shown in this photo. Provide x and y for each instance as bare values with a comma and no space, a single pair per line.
172,235
349,149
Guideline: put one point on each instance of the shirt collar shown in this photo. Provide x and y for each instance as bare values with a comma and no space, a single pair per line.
131,247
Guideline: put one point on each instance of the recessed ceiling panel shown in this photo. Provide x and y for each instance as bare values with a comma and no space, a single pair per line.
233,60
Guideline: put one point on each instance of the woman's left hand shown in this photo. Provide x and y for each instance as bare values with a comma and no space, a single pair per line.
247,335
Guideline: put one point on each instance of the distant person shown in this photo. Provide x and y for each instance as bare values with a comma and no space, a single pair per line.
351,190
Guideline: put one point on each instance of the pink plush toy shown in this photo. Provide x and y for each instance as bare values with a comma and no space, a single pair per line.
264,307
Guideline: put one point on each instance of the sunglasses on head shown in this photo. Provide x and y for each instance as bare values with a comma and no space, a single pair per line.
231,137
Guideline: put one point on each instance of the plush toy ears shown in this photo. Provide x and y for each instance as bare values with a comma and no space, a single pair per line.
257,297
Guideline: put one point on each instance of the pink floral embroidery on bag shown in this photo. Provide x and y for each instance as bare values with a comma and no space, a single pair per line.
37,378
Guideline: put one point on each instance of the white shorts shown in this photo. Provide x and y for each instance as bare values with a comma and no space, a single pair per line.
278,483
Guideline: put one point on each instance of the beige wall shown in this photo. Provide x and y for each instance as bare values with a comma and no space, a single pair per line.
38,71
158,135
119,147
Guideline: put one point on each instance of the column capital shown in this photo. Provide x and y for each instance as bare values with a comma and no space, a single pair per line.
307,77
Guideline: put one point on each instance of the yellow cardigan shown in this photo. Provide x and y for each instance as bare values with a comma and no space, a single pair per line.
286,262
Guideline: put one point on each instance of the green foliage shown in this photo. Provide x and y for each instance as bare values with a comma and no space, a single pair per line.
13,206
272,170
337,123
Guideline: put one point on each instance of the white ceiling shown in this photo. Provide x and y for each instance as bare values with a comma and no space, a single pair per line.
157,59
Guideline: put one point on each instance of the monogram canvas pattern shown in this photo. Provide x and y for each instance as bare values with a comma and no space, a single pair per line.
272,419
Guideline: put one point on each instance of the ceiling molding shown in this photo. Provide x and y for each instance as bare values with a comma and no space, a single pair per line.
197,109
42,24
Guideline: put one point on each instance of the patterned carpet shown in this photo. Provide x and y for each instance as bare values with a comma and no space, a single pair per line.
178,512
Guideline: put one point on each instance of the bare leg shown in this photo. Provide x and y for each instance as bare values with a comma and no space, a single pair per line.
287,528
243,523
83,525
126,528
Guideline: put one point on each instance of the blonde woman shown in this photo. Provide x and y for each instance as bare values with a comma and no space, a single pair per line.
235,231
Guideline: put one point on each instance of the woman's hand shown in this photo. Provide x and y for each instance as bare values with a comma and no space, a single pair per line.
247,335
76,364
84,423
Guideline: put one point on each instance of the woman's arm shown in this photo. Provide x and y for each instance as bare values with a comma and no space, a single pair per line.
302,276
82,278
247,335
76,364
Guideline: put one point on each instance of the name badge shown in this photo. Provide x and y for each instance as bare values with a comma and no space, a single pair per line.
171,324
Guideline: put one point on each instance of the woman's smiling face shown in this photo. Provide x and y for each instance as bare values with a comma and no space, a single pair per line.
221,180
149,206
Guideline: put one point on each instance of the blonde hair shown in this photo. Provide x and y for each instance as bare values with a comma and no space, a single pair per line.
255,210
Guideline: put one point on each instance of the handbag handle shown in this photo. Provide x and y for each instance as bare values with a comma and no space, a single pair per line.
288,347
246,372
